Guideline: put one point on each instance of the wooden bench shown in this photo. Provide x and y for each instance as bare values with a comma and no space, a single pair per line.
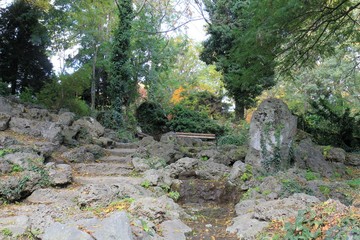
208,136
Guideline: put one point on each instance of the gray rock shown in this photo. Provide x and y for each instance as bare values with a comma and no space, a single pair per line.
152,176
174,230
96,195
246,227
336,155
37,114
59,174
157,210
308,156
47,130
283,208
272,130
13,188
18,225
182,166
237,171
211,170
10,107
69,133
66,118
140,164
23,159
103,142
229,154
114,227
271,188
58,231
87,153
93,127
352,159
247,206
6,141
4,121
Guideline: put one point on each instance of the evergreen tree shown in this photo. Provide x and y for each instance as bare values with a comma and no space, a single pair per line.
122,86
23,42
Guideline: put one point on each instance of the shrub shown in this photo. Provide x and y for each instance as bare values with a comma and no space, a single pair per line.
238,136
4,89
151,118
174,195
186,120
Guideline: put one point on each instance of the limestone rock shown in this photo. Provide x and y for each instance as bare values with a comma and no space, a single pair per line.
59,231
66,118
92,127
157,209
34,128
237,171
174,230
308,156
140,164
114,227
18,225
10,107
59,174
336,155
272,130
352,159
87,153
246,227
4,121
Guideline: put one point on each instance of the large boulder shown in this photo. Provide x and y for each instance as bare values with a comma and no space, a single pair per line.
91,126
66,118
59,174
272,130
352,159
48,130
37,114
308,156
4,121
10,107
87,153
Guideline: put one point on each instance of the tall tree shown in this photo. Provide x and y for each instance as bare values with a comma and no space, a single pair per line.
23,59
122,86
246,62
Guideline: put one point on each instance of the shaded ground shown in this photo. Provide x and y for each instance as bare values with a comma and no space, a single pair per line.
209,221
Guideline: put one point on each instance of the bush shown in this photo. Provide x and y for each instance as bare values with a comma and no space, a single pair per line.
4,89
185,120
78,106
151,118
238,136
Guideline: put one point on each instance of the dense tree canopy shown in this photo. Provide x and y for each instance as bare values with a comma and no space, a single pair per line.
23,42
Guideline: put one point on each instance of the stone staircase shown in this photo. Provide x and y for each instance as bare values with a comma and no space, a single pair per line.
116,162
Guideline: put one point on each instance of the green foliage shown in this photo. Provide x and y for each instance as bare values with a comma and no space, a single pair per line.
6,232
5,151
248,174
237,136
324,190
289,187
24,41
354,183
145,184
16,168
302,228
155,162
204,158
123,87
203,101
185,120
348,226
27,96
309,175
174,195
4,89
151,118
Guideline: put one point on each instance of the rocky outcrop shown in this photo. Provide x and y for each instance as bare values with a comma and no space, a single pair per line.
308,156
272,130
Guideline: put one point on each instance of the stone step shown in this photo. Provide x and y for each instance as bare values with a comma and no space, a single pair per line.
107,180
120,152
115,159
126,145
102,169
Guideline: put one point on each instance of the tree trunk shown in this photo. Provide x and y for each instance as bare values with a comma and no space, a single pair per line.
239,110
93,80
